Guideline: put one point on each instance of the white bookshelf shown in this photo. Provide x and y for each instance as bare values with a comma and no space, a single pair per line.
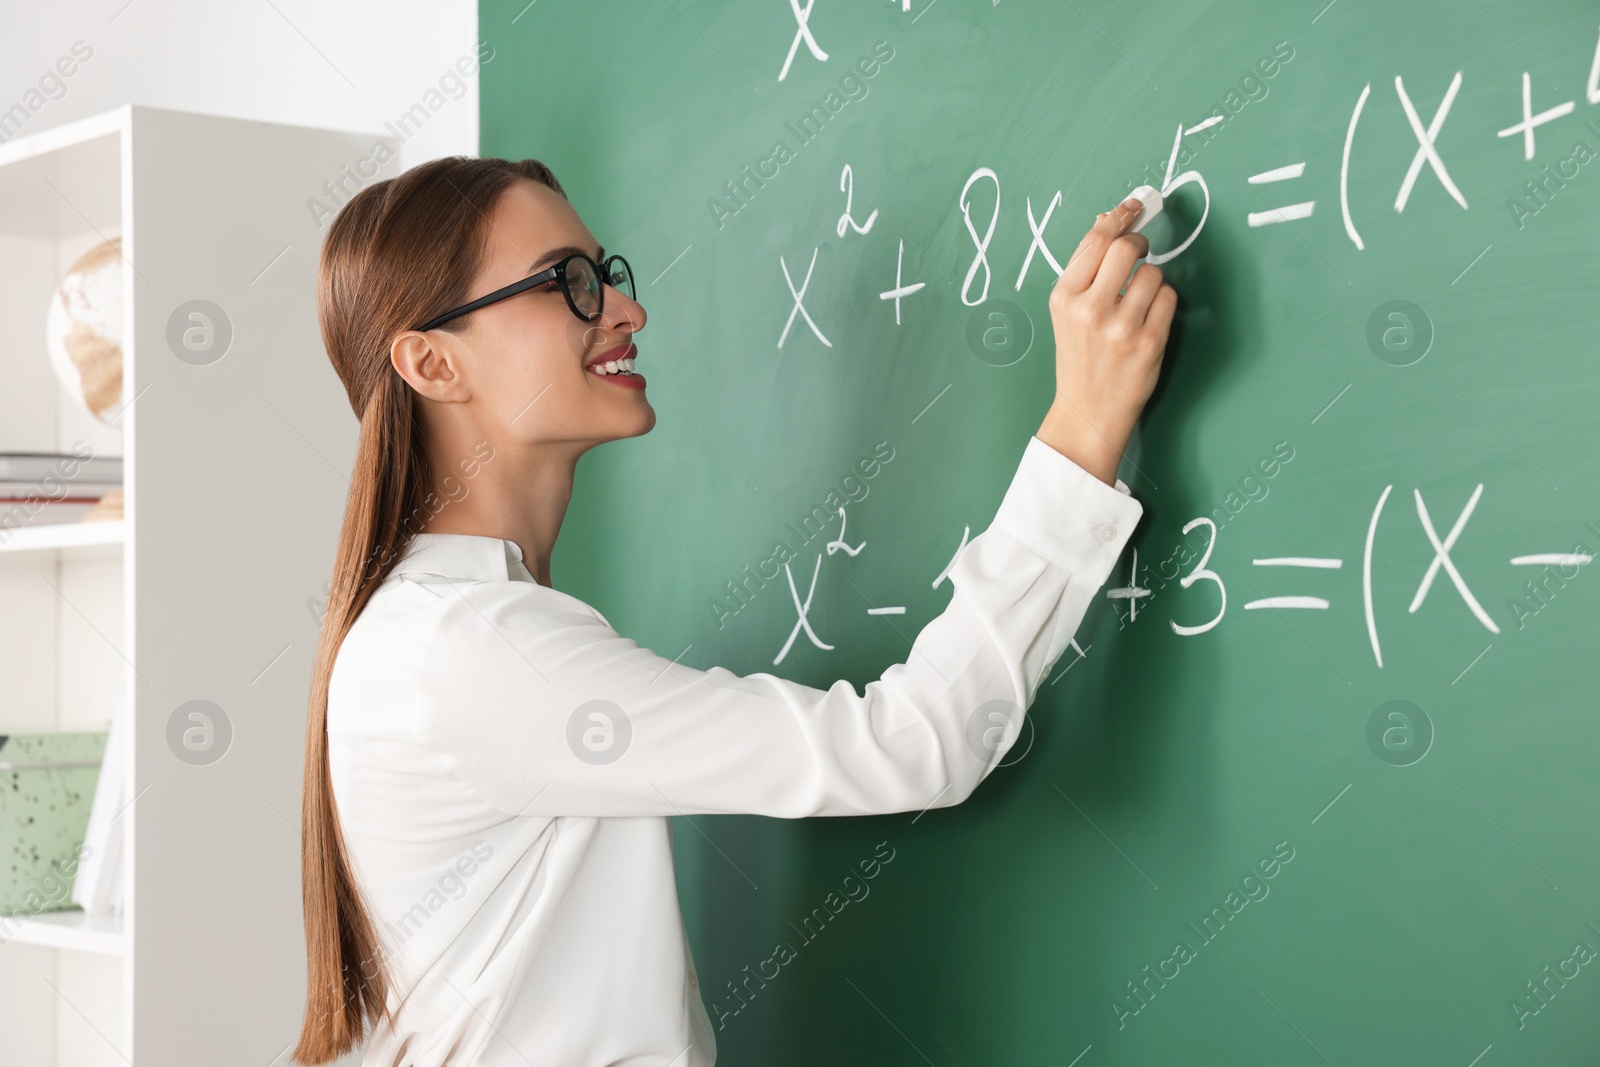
234,476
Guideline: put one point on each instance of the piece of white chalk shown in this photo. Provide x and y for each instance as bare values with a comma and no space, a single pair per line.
1151,198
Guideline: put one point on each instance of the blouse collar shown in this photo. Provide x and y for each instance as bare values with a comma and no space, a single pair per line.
470,556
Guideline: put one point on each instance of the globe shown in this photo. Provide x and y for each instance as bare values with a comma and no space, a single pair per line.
83,331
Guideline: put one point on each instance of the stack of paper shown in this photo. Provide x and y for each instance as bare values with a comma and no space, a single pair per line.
49,487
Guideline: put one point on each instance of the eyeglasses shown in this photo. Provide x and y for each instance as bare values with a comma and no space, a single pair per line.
582,281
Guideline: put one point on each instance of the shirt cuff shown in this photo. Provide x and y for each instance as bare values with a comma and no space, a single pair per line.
1066,514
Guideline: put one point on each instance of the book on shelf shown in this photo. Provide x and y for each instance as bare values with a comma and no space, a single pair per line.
74,494
70,467
44,488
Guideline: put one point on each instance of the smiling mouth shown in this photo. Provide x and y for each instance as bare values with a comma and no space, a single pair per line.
621,361
615,366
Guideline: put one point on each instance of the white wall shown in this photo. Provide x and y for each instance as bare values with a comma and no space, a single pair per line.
346,64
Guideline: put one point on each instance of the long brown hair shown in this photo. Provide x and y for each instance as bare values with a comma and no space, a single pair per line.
400,252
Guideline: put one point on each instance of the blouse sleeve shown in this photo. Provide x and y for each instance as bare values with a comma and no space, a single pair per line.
538,705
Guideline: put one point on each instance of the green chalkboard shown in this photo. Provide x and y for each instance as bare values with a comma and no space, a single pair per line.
1344,827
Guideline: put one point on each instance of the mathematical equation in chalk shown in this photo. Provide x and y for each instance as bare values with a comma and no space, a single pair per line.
1133,593
1427,155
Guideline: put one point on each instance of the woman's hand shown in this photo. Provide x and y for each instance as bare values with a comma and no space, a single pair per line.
1108,346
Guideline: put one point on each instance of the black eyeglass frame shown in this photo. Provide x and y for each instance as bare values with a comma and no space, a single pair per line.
557,272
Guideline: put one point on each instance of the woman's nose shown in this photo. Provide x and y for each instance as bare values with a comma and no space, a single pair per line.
622,308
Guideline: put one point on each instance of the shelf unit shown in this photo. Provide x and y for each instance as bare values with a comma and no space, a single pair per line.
65,535
73,929
235,473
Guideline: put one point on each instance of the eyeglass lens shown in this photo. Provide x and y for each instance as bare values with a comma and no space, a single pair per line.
585,285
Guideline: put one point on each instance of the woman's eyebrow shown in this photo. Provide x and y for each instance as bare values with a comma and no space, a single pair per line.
563,252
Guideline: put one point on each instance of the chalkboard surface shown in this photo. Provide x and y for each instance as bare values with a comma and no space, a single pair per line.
1321,786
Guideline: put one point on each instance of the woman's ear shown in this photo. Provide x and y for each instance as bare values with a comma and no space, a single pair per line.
428,368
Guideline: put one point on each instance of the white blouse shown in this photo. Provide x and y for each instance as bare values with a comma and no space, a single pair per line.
504,765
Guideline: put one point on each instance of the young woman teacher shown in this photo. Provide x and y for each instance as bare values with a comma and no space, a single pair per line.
484,882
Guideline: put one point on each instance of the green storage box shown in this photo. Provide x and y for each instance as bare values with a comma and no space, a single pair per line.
47,783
